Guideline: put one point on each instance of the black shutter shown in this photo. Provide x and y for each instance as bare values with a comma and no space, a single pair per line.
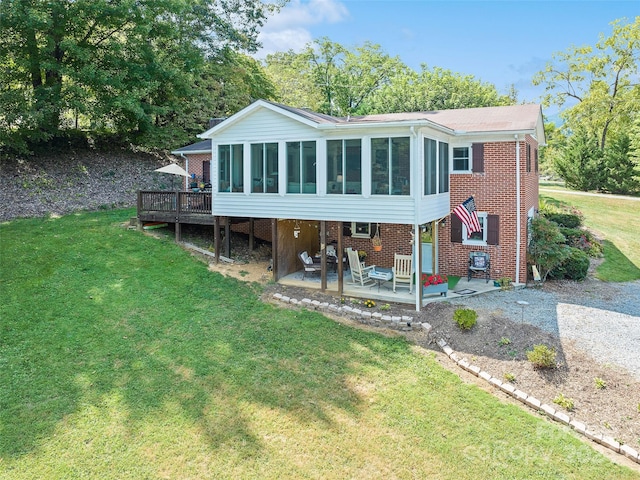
535,155
528,157
346,229
493,229
456,229
477,152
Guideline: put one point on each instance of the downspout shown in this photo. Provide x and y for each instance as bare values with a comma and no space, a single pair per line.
518,200
417,188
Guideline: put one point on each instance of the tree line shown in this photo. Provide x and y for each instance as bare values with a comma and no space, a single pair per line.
152,73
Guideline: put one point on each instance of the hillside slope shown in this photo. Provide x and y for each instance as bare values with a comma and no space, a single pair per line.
80,180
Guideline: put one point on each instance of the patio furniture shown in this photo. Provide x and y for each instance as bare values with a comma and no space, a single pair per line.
381,275
479,262
359,272
310,265
402,271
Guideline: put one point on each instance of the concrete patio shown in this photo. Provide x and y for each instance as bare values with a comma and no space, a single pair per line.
383,291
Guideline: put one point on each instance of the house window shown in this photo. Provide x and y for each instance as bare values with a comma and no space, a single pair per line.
360,230
344,166
461,159
264,167
230,168
390,166
430,166
476,238
443,160
301,167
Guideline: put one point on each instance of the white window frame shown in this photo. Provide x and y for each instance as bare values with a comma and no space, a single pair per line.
452,159
355,234
483,219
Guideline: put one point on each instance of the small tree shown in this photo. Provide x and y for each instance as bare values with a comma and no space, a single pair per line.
580,163
622,171
547,247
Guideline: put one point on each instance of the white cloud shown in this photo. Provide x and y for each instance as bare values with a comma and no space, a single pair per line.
287,30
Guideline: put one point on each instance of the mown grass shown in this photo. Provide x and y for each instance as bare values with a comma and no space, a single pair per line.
614,219
122,357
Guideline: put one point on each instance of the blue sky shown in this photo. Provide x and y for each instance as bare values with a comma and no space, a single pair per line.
501,42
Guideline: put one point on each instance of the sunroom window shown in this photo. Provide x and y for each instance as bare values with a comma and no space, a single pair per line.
301,167
390,166
344,166
230,168
264,167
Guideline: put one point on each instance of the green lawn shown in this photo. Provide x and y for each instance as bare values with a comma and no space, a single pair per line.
123,357
614,219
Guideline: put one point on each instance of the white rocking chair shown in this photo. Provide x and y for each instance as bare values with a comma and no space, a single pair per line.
359,273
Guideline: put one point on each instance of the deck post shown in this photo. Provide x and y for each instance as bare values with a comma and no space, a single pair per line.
340,256
323,255
274,248
251,233
178,211
227,237
216,237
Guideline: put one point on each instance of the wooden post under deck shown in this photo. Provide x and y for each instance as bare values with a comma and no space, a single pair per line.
178,226
216,237
227,237
340,255
251,233
323,255
274,248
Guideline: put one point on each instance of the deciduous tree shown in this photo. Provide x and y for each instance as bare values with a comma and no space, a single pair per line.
104,64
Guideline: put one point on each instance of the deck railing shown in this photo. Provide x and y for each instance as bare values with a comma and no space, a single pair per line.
174,203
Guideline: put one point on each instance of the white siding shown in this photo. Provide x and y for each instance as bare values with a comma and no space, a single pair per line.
434,207
265,126
387,209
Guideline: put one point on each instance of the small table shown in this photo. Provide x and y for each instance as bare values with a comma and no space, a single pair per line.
381,275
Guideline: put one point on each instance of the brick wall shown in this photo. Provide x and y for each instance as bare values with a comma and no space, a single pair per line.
395,239
494,191
261,228
196,161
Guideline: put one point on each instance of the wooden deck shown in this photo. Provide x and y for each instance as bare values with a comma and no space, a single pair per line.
175,207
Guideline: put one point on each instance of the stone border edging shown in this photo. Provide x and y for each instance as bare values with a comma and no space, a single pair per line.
404,323
534,403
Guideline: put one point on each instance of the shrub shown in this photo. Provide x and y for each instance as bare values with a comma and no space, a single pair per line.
600,383
575,267
583,240
547,248
564,219
465,318
510,377
542,356
564,402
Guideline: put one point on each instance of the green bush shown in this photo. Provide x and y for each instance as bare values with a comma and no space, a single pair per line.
583,240
574,267
564,402
547,247
542,356
568,220
465,318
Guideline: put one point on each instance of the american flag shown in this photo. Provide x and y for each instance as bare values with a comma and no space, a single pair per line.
466,212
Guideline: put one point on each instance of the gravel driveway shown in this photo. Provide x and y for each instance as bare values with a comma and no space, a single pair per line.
601,318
